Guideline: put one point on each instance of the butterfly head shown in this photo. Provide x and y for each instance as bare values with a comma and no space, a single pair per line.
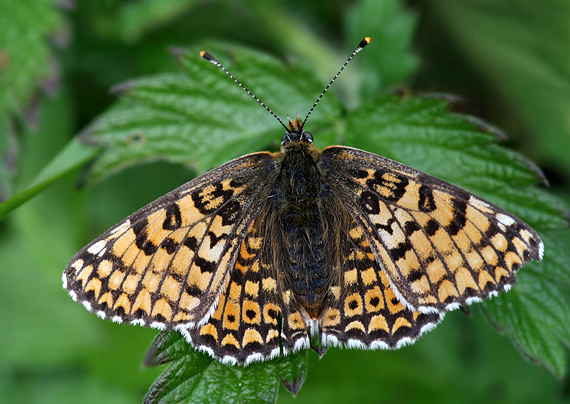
295,133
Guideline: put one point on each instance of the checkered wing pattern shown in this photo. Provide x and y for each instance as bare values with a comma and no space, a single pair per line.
254,312
166,265
363,311
437,246
210,259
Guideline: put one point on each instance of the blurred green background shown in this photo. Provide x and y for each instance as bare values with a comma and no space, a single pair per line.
508,61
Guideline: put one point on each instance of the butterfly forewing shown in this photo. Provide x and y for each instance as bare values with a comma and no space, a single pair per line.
438,245
167,263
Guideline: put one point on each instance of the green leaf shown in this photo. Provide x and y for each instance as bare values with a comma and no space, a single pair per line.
423,134
536,315
24,51
24,63
135,18
73,156
8,156
388,61
292,371
194,377
201,117
522,49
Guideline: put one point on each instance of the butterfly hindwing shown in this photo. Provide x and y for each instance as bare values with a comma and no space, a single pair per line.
363,311
254,314
438,245
167,263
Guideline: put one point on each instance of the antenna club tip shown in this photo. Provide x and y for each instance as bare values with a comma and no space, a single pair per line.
207,56
365,42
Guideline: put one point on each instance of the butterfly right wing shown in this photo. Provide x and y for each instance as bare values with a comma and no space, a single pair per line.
439,245
167,264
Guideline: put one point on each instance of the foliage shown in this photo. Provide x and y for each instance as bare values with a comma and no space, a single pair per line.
25,66
189,113
195,377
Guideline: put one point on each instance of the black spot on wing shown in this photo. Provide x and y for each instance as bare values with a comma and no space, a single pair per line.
230,212
459,218
370,203
147,247
400,250
205,265
208,340
392,189
159,318
141,240
426,202
526,255
191,242
215,240
272,314
169,245
139,227
173,218
203,203
431,227
374,301
414,276
237,182
411,227
360,174
193,290
386,227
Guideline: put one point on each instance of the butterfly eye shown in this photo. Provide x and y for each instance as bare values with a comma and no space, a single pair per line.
306,137
286,138
296,137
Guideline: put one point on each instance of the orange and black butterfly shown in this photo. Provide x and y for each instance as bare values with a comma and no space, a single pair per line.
253,259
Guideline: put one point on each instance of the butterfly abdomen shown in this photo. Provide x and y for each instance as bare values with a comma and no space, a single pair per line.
306,270
302,227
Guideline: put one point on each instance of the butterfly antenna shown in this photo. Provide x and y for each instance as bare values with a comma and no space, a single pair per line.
360,46
213,60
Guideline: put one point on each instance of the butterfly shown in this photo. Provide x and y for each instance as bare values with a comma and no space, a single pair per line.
266,253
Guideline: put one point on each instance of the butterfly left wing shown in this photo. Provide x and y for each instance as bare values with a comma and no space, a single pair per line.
256,317
438,245
166,264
